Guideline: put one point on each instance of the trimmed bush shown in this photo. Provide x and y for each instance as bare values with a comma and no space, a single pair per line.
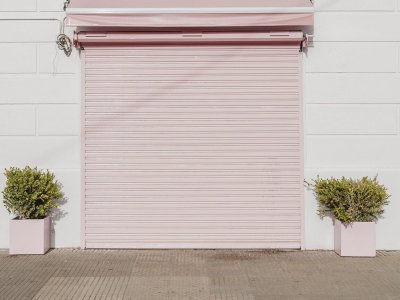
350,200
31,193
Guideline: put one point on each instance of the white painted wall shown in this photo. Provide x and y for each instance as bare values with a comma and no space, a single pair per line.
352,97
352,106
39,106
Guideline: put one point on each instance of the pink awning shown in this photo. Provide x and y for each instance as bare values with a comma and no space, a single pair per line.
184,13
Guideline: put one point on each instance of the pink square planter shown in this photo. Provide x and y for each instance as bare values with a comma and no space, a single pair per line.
29,236
357,239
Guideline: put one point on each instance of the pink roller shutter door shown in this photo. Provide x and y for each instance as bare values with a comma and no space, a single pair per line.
192,145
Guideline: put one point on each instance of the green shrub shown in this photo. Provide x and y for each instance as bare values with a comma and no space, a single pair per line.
350,200
31,193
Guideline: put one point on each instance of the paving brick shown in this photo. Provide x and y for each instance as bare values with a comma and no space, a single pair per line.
92,274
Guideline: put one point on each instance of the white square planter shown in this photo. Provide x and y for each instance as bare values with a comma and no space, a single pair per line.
356,239
29,236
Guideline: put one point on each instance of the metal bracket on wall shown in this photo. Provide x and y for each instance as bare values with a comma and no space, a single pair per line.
307,42
77,44
66,3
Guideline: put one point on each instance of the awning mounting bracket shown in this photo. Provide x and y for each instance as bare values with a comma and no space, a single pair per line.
66,4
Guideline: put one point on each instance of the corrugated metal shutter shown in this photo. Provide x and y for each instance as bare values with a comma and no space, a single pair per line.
192,146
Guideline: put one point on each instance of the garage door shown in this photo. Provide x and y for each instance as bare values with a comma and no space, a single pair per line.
192,144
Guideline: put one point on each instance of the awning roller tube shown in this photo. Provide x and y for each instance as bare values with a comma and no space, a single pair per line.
84,38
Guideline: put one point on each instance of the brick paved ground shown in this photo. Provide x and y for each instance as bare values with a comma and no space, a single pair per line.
198,274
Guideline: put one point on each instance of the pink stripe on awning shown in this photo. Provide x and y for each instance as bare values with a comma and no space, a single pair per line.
191,20
137,4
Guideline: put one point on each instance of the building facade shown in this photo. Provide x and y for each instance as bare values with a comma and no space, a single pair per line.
351,106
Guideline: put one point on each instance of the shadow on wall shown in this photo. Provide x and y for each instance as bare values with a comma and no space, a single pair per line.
56,215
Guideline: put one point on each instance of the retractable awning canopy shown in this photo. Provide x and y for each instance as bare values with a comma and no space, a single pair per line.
186,13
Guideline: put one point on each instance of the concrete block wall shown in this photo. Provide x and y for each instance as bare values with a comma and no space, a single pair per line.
352,106
351,103
40,106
